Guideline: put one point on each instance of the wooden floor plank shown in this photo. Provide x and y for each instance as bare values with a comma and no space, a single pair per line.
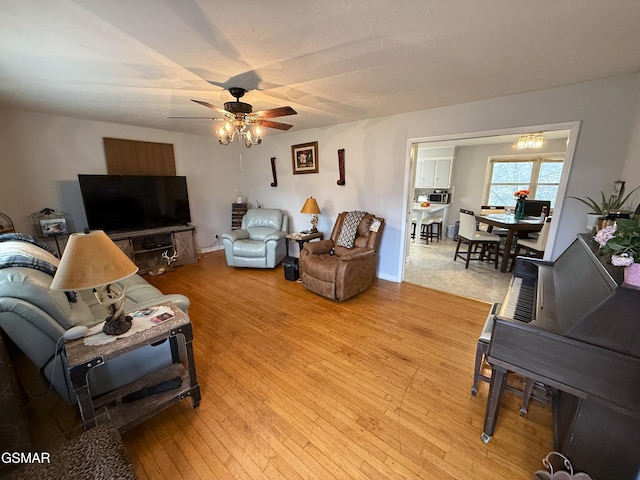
295,386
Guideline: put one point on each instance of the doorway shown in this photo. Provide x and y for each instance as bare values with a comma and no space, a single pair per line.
469,170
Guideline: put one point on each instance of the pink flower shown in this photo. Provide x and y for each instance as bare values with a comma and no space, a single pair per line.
622,260
604,235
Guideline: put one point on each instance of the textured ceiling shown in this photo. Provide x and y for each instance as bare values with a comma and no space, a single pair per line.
138,62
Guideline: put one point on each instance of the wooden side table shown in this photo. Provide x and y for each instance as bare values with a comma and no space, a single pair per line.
81,358
303,238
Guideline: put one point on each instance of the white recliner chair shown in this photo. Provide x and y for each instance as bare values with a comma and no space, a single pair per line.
261,240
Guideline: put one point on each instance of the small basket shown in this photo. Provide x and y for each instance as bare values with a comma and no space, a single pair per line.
566,474
6,225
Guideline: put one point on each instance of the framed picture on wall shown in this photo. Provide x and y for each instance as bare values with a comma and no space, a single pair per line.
305,158
52,227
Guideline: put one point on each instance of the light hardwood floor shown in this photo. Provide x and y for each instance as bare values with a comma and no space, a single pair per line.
295,386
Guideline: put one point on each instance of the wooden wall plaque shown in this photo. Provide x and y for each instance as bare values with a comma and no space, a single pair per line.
133,157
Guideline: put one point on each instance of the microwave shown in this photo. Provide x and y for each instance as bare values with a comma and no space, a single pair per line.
439,198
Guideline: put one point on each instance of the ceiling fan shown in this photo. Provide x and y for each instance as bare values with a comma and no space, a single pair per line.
241,120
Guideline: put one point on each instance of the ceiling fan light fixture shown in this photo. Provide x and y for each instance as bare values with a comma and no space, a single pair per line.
227,134
242,122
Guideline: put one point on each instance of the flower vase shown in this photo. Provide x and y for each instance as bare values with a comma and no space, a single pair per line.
519,213
632,274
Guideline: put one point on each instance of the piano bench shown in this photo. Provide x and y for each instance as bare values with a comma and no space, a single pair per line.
481,352
481,349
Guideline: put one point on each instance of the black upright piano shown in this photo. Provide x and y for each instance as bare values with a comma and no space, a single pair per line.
574,325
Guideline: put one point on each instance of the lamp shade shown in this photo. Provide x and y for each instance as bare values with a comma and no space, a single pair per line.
311,207
91,260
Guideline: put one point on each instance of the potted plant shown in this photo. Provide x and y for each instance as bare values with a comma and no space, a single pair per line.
606,206
621,242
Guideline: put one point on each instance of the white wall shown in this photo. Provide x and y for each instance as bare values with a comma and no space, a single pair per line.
39,152
376,154
631,172
41,156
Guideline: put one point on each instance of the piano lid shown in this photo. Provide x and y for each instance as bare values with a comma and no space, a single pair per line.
581,297
607,312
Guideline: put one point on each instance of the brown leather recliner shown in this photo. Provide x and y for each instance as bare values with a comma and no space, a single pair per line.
337,272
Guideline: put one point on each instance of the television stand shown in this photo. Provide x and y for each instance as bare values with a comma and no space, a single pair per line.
149,248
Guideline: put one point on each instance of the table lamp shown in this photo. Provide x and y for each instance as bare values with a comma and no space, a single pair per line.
310,207
92,260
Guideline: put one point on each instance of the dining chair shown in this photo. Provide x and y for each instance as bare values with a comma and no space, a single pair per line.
492,209
535,246
469,234
495,210
533,208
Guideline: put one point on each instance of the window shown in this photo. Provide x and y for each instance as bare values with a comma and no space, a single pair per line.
539,175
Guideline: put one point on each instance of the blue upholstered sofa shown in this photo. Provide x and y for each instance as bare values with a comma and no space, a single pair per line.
35,317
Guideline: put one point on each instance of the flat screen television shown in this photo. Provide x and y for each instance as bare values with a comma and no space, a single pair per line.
133,202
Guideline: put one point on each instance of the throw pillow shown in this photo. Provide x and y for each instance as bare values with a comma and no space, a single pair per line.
349,229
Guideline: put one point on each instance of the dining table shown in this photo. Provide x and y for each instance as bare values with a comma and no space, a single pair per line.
514,228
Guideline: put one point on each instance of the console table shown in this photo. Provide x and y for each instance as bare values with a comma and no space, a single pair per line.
146,247
80,358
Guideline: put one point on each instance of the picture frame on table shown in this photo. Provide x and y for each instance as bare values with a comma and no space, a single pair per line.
52,227
305,158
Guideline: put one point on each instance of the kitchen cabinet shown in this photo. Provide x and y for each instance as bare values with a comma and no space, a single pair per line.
433,167
442,177
434,173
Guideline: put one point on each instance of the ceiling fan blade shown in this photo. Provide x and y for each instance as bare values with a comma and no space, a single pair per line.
276,112
201,118
208,105
270,124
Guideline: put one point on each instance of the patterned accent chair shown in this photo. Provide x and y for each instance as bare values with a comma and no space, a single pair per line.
338,272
